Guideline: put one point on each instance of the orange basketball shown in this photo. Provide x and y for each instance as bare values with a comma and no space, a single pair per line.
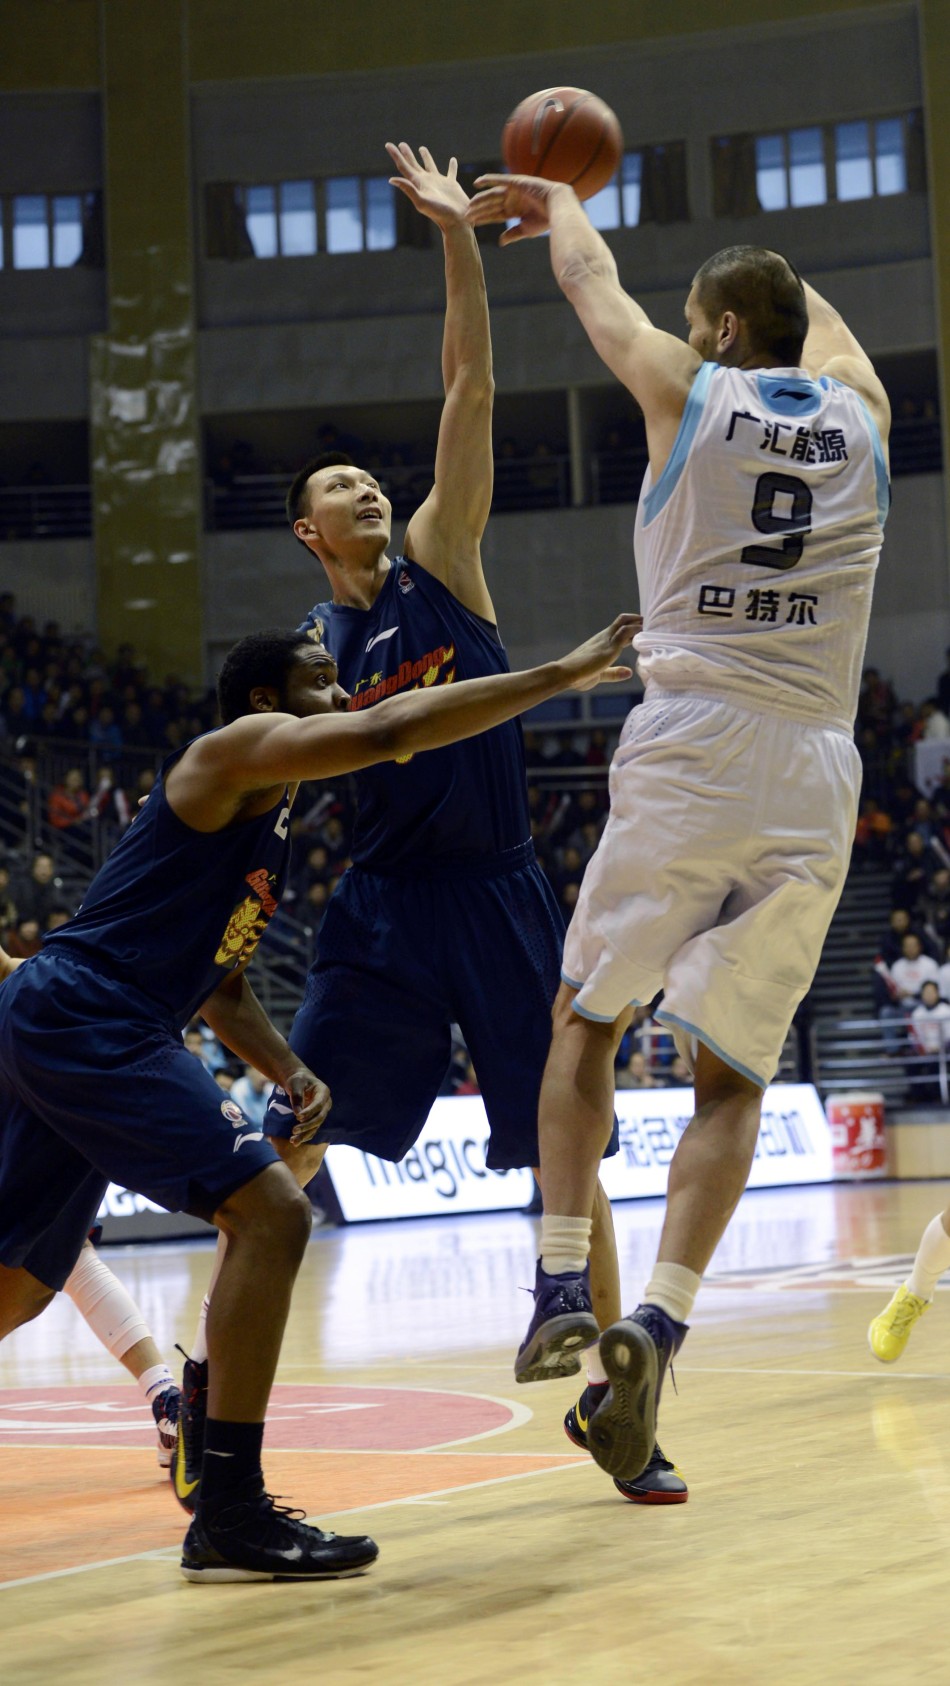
564,134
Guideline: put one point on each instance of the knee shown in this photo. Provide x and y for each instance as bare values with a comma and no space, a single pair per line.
270,1211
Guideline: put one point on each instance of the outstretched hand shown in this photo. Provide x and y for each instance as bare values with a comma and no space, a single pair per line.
593,663
502,197
438,196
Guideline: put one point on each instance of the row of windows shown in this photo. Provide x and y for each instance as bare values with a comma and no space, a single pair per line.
50,230
751,173
863,159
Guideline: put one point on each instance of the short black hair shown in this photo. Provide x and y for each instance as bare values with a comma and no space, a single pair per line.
766,293
294,503
262,658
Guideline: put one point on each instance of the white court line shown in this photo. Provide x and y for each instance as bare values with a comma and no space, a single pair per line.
447,1451
889,1375
168,1554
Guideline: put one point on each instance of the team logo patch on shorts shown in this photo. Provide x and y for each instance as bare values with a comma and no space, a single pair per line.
233,1113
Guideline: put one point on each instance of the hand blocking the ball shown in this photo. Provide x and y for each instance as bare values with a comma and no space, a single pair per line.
558,138
527,197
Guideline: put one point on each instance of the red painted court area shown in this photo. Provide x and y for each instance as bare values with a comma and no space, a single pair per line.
78,1470
299,1418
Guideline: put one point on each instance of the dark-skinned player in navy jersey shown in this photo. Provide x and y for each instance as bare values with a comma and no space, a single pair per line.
445,915
96,1085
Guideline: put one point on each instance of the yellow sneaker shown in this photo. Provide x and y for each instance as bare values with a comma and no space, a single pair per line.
889,1333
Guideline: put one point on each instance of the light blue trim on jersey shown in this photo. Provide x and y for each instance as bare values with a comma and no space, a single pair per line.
659,495
585,1012
880,465
779,394
743,1070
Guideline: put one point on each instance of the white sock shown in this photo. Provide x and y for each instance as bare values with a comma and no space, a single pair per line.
596,1374
565,1244
156,1380
933,1258
673,1288
108,1308
199,1346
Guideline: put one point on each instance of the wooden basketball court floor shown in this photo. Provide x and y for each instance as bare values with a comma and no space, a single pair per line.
815,1546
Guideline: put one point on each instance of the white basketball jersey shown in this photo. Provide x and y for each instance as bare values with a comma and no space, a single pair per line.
757,547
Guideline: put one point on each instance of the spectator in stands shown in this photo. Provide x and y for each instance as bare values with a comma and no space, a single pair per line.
105,733
912,971
934,723
634,1075
68,810
251,1092
876,702
312,908
39,891
935,910
468,1082
872,834
943,685
930,1034
56,917
25,939
943,975
911,877
16,717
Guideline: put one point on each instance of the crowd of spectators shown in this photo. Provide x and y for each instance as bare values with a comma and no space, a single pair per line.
906,832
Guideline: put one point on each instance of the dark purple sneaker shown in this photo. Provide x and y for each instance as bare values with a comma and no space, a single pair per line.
562,1326
635,1353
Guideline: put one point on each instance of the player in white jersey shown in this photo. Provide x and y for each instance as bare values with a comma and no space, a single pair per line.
734,789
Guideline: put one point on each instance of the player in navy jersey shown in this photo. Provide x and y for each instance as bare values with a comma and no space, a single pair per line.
96,1084
445,915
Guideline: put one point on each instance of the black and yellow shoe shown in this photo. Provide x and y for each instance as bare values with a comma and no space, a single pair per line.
660,1483
246,1536
189,1445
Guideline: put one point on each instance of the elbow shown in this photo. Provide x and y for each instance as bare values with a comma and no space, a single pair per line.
579,270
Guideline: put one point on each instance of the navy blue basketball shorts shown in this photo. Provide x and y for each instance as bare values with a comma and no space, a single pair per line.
97,1087
402,959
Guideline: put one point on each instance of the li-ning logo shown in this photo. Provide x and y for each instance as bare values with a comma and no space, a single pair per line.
235,1117
404,583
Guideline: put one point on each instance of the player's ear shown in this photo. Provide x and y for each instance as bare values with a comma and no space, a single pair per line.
264,699
304,529
728,331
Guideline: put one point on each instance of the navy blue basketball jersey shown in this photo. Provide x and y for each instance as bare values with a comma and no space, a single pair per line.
446,806
175,910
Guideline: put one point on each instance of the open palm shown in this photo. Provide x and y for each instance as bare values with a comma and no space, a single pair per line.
437,196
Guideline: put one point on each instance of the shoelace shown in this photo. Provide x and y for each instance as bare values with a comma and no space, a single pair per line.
265,1508
904,1315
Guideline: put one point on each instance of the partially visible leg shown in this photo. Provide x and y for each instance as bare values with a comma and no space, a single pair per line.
117,1322
22,1297
575,1118
890,1331
707,1176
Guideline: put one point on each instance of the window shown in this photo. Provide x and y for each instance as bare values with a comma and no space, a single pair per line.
344,214
298,219
650,186
294,219
51,231
811,166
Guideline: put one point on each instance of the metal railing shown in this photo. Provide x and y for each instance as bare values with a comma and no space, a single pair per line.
45,512
881,1055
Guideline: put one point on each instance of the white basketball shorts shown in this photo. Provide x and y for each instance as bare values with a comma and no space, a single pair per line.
717,874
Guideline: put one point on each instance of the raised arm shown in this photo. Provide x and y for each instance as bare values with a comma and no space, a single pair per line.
260,751
444,535
831,349
654,366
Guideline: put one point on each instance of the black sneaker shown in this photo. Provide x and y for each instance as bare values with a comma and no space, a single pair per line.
188,1450
661,1483
635,1353
562,1326
246,1536
165,1412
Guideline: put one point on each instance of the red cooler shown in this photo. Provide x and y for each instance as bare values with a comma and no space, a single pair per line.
858,1141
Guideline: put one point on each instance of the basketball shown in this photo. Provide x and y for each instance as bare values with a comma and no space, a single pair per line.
564,134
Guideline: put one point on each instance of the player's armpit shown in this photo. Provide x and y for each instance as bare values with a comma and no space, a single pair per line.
858,373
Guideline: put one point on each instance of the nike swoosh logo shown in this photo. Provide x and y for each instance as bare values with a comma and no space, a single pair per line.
582,1421
790,392
380,638
183,1488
